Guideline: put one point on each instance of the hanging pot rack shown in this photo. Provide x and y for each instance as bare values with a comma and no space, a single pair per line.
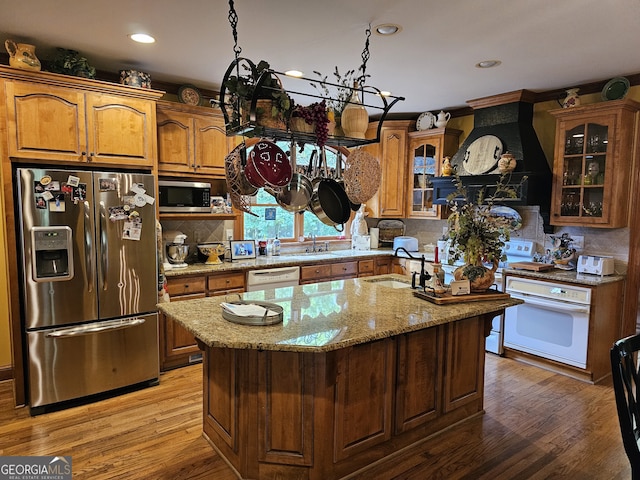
236,126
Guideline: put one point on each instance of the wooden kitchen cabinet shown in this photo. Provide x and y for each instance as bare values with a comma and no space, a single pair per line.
382,266
391,152
53,123
191,140
427,149
178,346
365,268
328,271
224,283
593,162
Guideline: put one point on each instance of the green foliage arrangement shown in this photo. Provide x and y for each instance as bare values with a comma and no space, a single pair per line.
477,235
242,88
69,62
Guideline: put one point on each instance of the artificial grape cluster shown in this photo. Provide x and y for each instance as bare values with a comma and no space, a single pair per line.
316,113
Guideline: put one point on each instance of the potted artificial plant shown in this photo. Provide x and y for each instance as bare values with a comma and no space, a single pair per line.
273,105
69,62
477,235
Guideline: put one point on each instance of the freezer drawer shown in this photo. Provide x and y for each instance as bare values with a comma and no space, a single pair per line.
73,362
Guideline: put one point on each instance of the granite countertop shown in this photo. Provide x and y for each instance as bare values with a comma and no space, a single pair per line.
570,276
324,316
285,260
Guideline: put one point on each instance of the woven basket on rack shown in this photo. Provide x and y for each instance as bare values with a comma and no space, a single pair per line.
236,183
298,124
362,175
264,115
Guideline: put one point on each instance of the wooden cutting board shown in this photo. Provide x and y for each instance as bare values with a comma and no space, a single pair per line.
532,266
447,298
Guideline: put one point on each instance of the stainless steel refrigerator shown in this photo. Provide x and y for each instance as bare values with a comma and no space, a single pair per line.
89,282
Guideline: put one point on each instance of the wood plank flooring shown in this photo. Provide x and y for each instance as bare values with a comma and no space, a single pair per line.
537,425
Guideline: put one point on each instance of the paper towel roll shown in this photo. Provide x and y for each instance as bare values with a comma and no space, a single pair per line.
374,233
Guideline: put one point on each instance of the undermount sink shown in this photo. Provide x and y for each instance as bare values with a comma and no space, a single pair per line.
389,282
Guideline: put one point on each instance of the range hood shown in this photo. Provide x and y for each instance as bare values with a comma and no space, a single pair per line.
502,123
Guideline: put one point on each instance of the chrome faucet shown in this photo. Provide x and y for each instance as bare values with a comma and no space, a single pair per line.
313,237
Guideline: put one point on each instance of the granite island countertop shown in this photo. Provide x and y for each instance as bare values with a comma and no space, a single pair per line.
324,316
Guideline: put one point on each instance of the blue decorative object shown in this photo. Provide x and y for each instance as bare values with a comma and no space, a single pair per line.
270,213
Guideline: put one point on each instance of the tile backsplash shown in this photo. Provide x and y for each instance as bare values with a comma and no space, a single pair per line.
612,242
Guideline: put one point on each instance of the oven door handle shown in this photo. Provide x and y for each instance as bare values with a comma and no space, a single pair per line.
551,305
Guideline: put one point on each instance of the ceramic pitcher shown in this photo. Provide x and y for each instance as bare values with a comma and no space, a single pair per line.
443,119
22,55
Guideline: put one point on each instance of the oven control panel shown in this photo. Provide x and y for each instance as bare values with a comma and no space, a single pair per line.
549,290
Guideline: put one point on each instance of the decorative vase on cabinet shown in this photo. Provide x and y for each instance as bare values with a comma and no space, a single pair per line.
22,55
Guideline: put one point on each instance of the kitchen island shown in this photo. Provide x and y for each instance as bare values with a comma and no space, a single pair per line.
357,370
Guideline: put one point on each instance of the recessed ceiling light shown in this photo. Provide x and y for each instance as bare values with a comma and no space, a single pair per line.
387,29
294,73
142,38
488,63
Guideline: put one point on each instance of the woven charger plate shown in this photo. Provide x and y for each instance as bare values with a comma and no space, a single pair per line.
362,176
236,183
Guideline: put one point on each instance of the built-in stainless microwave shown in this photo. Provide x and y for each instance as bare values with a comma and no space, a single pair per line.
184,197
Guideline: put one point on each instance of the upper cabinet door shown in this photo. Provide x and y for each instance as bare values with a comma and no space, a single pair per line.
121,130
45,122
211,145
191,140
391,152
175,141
593,164
427,149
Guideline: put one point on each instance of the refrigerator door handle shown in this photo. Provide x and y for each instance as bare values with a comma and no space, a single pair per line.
91,329
104,253
88,246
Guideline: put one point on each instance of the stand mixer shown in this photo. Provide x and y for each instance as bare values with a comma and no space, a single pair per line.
175,250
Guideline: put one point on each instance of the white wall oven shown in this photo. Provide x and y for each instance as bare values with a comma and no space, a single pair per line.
552,323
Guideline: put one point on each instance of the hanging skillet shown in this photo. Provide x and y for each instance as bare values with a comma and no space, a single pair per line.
329,201
354,206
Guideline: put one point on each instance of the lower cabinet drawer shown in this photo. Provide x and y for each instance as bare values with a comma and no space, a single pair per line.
185,286
344,269
365,266
225,282
315,272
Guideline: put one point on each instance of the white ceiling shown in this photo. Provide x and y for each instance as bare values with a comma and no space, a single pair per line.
543,44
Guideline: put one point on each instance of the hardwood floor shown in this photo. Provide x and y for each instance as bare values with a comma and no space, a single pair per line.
537,425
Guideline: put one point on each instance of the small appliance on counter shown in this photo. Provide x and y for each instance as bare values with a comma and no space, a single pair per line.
175,250
408,243
595,265
388,230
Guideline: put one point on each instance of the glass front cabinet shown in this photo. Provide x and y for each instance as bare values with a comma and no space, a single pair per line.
427,149
593,164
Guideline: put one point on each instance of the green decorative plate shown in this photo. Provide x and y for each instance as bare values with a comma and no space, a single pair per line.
615,89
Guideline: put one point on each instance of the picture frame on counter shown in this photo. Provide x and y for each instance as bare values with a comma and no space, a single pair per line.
242,249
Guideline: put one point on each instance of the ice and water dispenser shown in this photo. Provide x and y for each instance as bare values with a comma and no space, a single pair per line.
52,254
